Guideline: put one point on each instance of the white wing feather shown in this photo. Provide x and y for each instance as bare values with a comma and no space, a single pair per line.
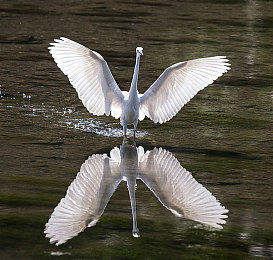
90,75
86,198
178,191
178,84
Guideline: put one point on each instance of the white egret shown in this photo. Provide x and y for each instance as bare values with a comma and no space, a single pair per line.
99,176
90,75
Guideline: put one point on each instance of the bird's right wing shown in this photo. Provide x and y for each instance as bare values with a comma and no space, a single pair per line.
177,190
177,85
90,75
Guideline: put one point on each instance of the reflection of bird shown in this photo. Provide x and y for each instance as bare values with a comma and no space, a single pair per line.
90,75
99,176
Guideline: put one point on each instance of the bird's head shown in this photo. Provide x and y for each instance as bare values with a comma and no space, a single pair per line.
139,50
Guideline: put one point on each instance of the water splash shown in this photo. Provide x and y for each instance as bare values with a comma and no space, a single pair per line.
79,120
100,128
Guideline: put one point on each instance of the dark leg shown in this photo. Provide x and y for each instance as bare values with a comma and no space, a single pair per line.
135,126
134,134
124,126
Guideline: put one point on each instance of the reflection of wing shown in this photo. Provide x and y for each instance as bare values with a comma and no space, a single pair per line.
177,190
86,198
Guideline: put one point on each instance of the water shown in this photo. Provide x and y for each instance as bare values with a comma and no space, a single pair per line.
223,136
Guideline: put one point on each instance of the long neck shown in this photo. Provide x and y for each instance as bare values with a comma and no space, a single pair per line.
133,89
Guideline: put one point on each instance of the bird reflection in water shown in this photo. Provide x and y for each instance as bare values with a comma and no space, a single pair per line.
99,176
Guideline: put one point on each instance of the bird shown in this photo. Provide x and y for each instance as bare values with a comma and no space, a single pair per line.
100,175
89,74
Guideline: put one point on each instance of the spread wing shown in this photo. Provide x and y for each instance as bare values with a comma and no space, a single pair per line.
85,200
178,84
90,75
178,191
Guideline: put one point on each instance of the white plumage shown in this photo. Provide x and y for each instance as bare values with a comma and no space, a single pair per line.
99,176
178,191
90,75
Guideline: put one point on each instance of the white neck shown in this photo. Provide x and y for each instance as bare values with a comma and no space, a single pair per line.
133,89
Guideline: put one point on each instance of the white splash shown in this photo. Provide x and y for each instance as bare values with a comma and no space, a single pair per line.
71,118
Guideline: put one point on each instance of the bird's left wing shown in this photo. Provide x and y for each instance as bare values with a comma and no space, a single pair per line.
177,190
90,75
177,85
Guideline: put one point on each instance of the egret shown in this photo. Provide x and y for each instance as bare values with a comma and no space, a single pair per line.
89,74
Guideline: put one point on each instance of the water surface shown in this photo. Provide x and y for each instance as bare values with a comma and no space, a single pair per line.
223,136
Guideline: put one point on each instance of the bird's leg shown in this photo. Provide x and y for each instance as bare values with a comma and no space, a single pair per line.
124,126
134,135
135,126
124,139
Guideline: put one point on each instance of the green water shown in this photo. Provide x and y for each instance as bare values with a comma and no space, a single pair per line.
223,136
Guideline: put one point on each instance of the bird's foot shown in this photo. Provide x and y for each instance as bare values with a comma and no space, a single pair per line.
126,139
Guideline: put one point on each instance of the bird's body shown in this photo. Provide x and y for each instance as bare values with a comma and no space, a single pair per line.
90,75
